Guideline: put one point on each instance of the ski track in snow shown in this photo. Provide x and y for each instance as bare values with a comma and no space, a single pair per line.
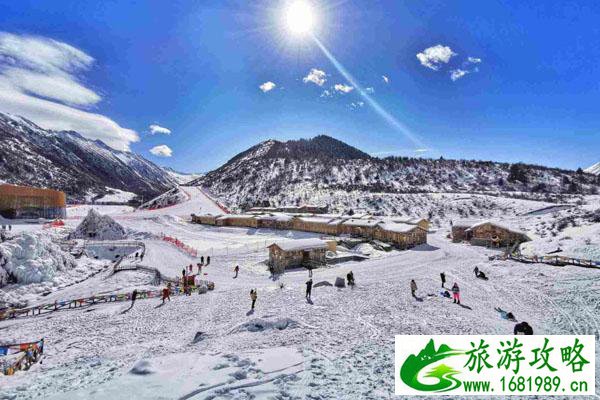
340,346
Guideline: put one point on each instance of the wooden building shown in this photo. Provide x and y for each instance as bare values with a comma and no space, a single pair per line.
358,227
297,253
275,221
23,202
403,236
205,219
487,233
238,220
326,226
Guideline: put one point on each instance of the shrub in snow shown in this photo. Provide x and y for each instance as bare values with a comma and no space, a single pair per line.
98,227
32,258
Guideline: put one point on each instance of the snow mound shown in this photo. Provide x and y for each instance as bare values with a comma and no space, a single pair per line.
32,258
98,227
260,325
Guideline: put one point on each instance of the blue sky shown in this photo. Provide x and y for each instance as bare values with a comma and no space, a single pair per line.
530,93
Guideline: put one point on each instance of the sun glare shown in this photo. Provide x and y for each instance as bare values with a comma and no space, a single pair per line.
300,18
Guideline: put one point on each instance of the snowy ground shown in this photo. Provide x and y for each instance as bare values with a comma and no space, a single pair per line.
340,345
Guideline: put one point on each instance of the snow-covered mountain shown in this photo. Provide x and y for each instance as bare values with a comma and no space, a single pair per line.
326,170
69,162
594,169
182,177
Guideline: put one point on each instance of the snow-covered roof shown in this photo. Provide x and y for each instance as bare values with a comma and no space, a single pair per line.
301,244
466,223
362,222
275,217
317,220
237,216
396,227
410,221
499,225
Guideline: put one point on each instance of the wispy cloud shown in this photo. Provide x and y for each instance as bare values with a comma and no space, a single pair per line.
267,86
162,151
41,79
458,73
157,129
433,57
385,79
357,104
316,76
340,87
421,150
474,60
326,93
370,90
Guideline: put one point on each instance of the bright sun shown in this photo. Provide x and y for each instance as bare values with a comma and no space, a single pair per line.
300,18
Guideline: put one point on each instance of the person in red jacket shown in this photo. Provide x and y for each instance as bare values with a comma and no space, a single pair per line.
166,292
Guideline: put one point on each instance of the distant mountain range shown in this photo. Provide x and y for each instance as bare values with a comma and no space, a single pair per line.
83,168
326,170
594,169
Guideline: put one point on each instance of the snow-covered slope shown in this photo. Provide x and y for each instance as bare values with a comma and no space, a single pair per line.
182,178
67,161
594,169
325,170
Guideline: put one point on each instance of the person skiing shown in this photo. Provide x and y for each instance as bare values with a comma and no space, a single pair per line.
253,297
202,259
523,328
190,269
199,266
350,278
166,294
207,260
476,270
134,295
309,284
443,277
456,293
236,270
413,287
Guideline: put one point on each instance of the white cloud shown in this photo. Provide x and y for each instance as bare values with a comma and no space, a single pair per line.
421,150
162,151
370,90
434,56
154,129
357,104
326,93
267,86
458,73
474,60
315,76
343,88
41,80
385,79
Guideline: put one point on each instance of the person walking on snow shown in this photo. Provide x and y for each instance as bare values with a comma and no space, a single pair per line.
443,277
413,287
350,278
253,297
456,293
183,273
202,259
134,295
207,260
476,270
236,270
309,284
142,257
199,268
166,292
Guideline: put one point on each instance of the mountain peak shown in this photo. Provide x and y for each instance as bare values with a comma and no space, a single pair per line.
318,147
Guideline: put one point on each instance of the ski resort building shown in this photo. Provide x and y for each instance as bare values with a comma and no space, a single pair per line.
21,202
358,227
206,219
326,226
487,233
275,221
298,253
239,220
422,222
404,236
303,209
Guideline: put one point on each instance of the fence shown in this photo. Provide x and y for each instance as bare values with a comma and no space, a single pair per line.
181,246
12,313
555,260
31,353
